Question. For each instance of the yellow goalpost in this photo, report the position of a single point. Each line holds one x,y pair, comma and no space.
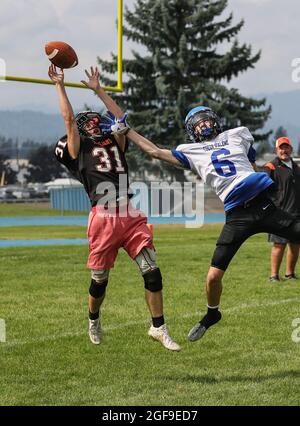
118,88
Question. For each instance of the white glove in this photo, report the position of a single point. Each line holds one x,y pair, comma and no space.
111,124
120,126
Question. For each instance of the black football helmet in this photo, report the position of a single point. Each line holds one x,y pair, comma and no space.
198,114
84,117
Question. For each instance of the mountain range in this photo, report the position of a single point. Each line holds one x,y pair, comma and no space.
48,127
37,126
285,112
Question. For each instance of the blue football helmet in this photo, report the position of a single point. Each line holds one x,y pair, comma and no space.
198,114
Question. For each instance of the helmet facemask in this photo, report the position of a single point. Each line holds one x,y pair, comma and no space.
206,133
86,122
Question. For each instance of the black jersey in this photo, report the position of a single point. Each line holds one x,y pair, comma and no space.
287,185
99,165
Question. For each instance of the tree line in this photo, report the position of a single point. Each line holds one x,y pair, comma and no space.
42,165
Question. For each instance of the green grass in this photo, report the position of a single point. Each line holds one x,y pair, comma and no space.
33,209
247,359
41,232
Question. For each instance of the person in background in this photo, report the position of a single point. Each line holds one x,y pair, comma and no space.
286,174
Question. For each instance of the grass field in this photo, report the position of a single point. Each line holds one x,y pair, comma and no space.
33,209
249,358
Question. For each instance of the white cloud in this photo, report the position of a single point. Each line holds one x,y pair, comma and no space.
26,25
90,27
275,32
62,7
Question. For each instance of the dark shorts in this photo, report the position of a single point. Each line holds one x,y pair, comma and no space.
279,240
257,216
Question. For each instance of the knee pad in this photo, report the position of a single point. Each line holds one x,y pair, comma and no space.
146,260
97,290
153,280
99,275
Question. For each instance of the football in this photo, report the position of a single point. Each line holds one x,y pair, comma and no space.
61,54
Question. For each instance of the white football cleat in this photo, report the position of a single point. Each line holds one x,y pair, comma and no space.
161,334
95,331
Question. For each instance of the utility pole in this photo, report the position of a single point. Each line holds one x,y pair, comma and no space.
17,154
2,178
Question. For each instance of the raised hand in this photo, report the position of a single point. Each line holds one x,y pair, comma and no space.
93,78
56,77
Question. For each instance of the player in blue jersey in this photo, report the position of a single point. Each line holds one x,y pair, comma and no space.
225,160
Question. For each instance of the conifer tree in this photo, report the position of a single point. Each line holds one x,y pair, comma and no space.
182,65
43,165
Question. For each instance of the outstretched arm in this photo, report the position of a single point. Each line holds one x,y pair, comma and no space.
73,138
151,149
94,84
120,126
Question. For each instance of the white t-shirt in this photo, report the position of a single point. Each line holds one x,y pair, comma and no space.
288,163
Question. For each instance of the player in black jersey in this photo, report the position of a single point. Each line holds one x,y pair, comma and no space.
98,162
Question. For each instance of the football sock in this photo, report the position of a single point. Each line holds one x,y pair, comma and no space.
157,322
93,316
212,317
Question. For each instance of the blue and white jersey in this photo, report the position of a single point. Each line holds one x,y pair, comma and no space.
224,164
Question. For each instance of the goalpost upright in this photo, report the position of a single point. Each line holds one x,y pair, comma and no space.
118,88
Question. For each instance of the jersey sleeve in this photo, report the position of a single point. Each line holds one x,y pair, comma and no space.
247,141
62,155
181,157
252,154
245,134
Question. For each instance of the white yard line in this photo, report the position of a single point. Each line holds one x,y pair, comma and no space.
134,323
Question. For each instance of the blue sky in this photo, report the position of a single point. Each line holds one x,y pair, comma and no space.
89,26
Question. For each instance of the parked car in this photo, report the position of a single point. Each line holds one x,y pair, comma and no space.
6,194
